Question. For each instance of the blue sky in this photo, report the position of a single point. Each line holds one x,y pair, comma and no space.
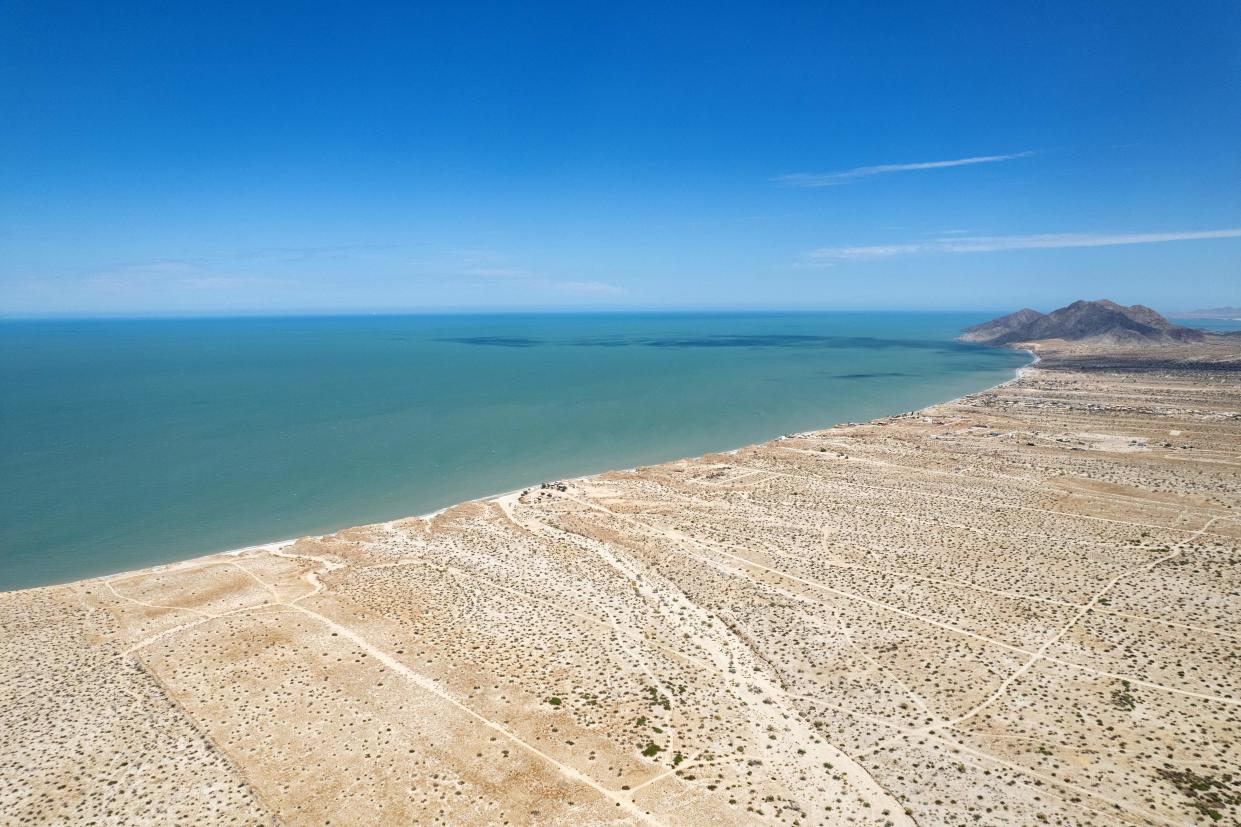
339,157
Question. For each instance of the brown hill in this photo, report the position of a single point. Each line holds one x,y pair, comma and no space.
1101,320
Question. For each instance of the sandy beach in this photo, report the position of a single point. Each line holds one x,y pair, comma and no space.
1016,607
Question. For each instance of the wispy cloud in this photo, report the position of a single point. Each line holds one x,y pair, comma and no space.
983,244
301,254
496,273
233,282
875,251
994,243
175,275
134,276
596,287
831,179
163,267
490,269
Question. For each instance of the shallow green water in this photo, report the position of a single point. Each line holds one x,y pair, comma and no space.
129,443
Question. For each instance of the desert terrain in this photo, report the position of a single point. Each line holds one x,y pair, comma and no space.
1022,607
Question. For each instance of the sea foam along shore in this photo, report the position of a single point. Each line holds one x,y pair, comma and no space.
277,545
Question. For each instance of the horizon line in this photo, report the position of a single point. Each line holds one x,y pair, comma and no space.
158,315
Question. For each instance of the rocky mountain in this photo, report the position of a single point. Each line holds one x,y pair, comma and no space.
998,328
1101,320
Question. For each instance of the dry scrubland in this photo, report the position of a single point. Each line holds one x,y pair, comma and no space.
1016,608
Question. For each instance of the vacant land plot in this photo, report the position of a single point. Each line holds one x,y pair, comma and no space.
1022,607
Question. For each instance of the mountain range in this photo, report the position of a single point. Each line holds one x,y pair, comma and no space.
1102,320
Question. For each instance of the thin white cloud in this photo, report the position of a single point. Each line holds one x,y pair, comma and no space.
233,282
167,267
174,274
492,270
135,276
984,244
831,179
875,251
496,273
597,287
994,243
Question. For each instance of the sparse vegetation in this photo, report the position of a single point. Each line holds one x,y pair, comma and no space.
1208,794
1122,698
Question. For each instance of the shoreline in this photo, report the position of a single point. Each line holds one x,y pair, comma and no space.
486,498
758,620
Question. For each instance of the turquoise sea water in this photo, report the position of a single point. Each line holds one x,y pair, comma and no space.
1211,325
129,443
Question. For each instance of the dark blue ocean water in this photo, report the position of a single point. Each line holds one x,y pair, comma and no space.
129,443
